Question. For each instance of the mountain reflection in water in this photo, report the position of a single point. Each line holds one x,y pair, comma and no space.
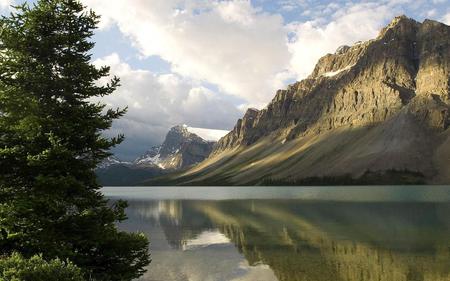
289,240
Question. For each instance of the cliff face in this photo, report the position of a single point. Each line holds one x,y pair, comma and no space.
180,149
240,133
407,66
380,104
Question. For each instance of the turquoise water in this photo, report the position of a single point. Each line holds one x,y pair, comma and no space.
292,233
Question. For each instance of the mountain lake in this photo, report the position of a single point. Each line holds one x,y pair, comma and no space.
387,233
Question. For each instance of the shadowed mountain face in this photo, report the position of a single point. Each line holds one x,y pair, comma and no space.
378,105
180,149
297,239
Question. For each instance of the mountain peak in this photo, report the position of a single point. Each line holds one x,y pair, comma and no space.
392,90
180,129
399,18
402,23
180,148
402,19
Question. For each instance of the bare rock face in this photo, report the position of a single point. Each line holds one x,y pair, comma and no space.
376,105
239,133
180,149
406,68
342,50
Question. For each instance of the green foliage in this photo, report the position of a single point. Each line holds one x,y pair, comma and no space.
17,268
51,141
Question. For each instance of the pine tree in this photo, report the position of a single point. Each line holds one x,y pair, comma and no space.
51,141
17,268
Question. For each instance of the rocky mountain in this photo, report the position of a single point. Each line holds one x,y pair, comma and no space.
180,149
376,107
110,161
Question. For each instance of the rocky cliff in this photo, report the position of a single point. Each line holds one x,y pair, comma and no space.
180,149
377,105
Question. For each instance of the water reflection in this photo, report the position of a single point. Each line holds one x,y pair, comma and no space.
289,240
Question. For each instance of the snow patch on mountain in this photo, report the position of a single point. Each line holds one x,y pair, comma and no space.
151,157
334,73
155,160
182,146
111,160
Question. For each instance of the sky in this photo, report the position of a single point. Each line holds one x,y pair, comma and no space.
203,63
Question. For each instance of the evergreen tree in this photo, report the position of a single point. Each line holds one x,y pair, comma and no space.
51,141
16,268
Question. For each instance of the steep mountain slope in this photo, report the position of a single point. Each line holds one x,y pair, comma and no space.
375,106
110,161
180,149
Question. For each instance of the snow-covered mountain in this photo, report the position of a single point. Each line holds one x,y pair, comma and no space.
110,161
151,157
181,148
374,112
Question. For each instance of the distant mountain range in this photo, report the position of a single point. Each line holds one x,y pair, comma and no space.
374,112
181,148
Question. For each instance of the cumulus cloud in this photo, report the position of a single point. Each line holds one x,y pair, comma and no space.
446,19
157,102
242,49
346,25
231,44
208,134
235,47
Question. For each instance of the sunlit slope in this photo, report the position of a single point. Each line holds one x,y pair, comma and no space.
374,107
400,143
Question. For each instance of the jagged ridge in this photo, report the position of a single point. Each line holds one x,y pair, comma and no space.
180,149
359,85
390,94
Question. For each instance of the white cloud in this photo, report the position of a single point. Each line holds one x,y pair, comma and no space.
6,3
235,46
314,39
208,134
157,102
227,43
432,13
446,19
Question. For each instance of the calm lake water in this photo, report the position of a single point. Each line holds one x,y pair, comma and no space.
292,233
